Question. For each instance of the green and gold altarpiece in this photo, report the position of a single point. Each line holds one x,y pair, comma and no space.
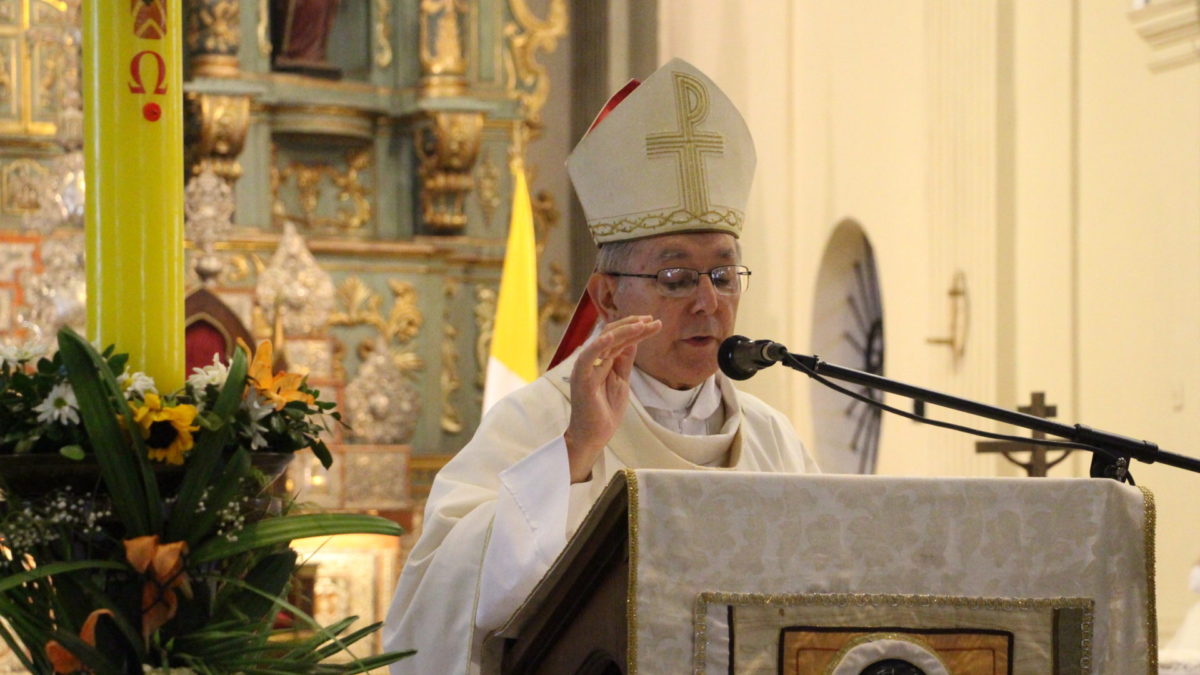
351,204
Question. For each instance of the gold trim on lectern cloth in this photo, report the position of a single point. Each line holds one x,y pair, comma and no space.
631,597
850,600
1149,521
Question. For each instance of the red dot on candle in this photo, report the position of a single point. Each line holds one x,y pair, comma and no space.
151,111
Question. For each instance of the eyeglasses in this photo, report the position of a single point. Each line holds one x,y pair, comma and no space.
680,282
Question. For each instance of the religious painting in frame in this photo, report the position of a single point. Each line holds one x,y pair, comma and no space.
850,634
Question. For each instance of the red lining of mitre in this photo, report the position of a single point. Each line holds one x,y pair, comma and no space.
583,320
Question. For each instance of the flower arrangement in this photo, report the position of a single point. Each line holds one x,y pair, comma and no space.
174,555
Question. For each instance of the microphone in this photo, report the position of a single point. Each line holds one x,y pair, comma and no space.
740,357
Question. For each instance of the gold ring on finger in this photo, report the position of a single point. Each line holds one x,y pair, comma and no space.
597,363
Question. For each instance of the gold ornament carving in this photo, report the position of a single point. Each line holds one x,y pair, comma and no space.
362,306
383,33
485,324
487,176
213,36
555,306
6,83
443,65
447,148
217,127
263,30
450,380
37,51
52,61
19,192
309,179
527,35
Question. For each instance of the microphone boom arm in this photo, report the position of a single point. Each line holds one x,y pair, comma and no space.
1107,443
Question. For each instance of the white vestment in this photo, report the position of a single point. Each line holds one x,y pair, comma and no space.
502,510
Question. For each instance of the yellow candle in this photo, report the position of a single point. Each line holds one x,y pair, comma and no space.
133,144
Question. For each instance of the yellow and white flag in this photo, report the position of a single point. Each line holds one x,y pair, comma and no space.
513,360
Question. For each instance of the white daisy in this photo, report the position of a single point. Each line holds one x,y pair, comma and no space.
60,406
136,384
214,374
12,356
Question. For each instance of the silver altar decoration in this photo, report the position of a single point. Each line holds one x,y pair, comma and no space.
60,190
208,209
294,284
57,296
382,405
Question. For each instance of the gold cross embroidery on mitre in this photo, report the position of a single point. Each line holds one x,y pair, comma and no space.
689,143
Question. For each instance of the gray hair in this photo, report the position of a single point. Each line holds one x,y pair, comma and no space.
615,256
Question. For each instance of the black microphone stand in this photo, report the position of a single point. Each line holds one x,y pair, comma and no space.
1110,452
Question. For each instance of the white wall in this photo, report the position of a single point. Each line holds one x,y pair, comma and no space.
1028,144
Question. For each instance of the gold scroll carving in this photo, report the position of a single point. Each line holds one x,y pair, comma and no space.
555,306
216,131
485,324
450,380
309,179
383,33
487,176
447,148
527,35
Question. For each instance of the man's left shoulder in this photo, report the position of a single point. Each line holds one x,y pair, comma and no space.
754,408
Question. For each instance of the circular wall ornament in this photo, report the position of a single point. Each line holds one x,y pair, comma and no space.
847,331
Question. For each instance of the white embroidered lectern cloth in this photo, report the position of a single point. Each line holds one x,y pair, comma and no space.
1026,564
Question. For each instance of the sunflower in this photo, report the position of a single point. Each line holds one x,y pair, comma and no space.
167,431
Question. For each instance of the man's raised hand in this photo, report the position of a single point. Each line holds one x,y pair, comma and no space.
600,390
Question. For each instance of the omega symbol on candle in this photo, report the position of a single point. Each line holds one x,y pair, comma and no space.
149,23
135,70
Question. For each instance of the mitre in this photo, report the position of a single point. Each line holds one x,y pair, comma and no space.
674,156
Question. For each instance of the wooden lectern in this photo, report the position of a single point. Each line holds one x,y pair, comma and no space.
727,572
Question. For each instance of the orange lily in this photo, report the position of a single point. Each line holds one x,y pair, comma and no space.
63,660
279,388
165,561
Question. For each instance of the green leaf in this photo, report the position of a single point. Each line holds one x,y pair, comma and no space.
89,655
270,576
209,421
321,451
42,571
74,452
195,525
347,640
273,531
130,481
24,445
206,455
